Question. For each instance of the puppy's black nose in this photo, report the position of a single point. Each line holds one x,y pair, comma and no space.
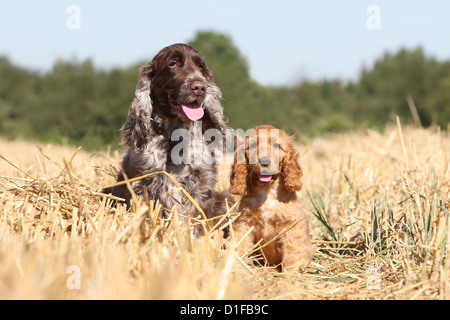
264,161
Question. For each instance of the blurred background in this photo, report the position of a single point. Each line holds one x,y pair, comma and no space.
68,69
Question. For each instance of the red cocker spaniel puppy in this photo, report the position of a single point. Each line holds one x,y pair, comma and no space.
267,174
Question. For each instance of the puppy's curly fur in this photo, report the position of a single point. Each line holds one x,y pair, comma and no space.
267,174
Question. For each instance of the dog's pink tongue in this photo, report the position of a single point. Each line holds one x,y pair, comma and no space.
194,113
264,178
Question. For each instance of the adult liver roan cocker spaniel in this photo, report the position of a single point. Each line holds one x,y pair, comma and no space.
175,124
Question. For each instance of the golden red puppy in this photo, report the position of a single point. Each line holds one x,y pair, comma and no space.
267,174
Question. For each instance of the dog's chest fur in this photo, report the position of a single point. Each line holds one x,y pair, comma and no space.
262,208
186,155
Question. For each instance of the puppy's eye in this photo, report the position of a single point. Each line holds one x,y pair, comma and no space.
173,64
253,145
201,66
276,145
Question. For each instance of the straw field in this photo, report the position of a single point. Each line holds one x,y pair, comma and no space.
378,207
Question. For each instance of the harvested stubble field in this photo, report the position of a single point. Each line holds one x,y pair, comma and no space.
378,207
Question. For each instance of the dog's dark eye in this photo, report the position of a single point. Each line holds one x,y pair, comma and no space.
276,145
201,66
173,64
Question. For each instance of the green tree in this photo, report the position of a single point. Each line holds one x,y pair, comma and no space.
81,104
231,74
440,104
383,90
18,90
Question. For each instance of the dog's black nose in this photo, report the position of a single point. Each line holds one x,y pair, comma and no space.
264,161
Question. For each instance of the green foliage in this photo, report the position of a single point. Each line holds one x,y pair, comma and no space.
440,103
231,73
80,104
385,87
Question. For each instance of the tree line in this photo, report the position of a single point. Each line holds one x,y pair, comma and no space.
79,104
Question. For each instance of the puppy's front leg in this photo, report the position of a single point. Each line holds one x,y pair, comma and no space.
297,250
244,240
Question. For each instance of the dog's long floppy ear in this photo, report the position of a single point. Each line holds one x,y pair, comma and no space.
136,131
239,171
214,110
291,170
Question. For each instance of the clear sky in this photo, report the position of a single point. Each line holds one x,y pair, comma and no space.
283,41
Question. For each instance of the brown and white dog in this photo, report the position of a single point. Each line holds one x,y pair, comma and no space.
176,99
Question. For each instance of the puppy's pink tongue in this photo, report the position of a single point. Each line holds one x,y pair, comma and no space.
264,178
194,113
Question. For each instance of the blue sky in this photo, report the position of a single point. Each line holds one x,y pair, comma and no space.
283,41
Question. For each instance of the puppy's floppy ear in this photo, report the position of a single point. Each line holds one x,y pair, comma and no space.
136,131
291,170
239,171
